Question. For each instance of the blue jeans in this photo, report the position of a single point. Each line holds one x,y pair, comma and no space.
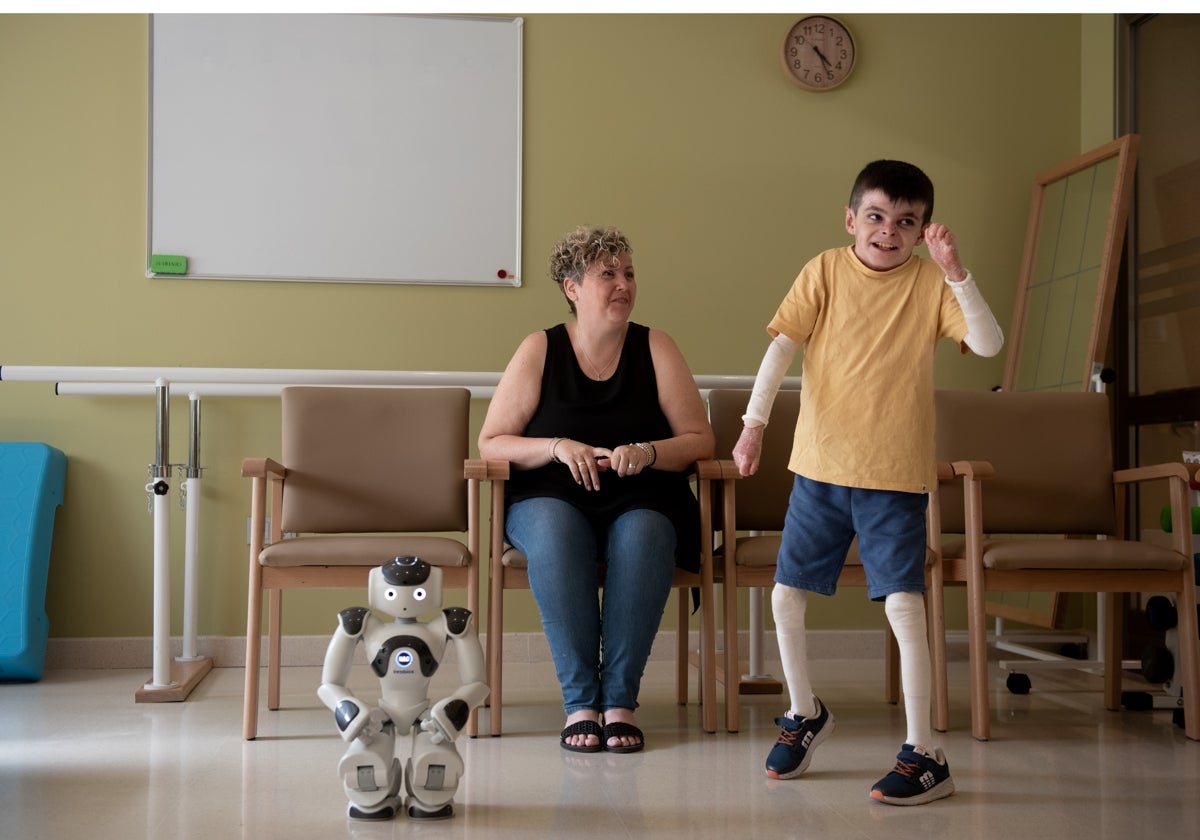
600,644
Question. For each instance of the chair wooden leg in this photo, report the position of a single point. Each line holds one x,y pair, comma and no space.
472,728
977,655
708,658
936,618
891,668
1114,609
253,641
733,665
258,507
495,652
1188,667
274,645
681,650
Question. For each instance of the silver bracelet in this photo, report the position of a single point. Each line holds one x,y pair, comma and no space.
651,453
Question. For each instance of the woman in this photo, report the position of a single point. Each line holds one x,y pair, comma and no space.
601,420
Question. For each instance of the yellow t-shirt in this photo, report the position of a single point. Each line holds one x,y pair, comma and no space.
866,414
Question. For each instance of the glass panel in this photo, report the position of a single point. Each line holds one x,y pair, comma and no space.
1060,310
1068,275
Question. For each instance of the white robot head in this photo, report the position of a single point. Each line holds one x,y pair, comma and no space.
405,587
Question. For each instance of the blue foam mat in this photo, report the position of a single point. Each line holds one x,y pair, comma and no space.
32,478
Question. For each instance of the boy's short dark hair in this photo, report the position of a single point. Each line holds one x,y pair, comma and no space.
898,180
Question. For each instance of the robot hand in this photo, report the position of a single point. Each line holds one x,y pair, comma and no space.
437,734
355,720
450,714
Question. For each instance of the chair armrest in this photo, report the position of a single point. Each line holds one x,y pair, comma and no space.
481,470
945,471
717,470
972,470
1177,469
262,468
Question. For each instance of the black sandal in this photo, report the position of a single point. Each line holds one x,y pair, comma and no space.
620,729
582,727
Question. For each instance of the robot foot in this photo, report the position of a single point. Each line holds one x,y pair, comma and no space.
416,812
383,813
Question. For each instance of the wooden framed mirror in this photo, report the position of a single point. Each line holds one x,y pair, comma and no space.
1065,291
1068,275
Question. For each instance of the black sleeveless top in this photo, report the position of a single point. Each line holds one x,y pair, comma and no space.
620,410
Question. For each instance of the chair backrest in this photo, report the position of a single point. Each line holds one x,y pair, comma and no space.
1052,453
762,498
375,459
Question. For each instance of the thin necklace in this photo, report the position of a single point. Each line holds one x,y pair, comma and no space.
599,371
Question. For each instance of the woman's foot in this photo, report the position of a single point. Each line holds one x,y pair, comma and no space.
587,740
621,732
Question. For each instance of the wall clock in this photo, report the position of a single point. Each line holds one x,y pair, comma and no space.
818,52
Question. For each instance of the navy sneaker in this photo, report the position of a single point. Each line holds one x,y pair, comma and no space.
798,738
917,778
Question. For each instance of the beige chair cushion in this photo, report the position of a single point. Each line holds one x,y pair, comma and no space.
513,558
370,550
1101,555
762,551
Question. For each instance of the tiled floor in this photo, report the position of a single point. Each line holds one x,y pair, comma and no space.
78,758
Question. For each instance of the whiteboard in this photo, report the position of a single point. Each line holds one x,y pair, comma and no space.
339,148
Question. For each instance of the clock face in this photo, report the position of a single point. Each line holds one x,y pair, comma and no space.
818,52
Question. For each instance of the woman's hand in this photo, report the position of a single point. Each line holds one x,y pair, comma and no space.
582,461
627,459
585,463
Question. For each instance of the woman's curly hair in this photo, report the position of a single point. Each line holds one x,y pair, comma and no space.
583,246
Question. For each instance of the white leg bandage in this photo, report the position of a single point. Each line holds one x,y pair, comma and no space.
906,613
788,605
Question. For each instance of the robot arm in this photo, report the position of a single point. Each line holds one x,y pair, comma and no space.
351,715
448,716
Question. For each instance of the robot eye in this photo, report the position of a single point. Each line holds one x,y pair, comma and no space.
390,594
419,594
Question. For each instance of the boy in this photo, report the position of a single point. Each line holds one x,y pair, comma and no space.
870,316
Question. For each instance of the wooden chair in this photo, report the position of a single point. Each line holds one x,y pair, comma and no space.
507,570
750,520
1043,510
367,474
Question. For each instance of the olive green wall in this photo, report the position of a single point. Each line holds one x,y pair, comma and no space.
681,130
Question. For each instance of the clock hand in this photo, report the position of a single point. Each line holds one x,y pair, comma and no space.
821,55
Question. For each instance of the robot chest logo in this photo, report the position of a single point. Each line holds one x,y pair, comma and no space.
404,655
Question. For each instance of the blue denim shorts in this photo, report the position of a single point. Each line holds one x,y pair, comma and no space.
822,521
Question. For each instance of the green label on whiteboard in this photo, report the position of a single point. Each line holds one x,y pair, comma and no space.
168,264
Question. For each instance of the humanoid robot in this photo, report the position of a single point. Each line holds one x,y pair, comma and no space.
404,654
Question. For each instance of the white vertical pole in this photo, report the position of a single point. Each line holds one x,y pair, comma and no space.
191,493
757,629
758,668
160,487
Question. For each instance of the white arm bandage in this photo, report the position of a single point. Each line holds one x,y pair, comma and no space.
984,336
775,364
